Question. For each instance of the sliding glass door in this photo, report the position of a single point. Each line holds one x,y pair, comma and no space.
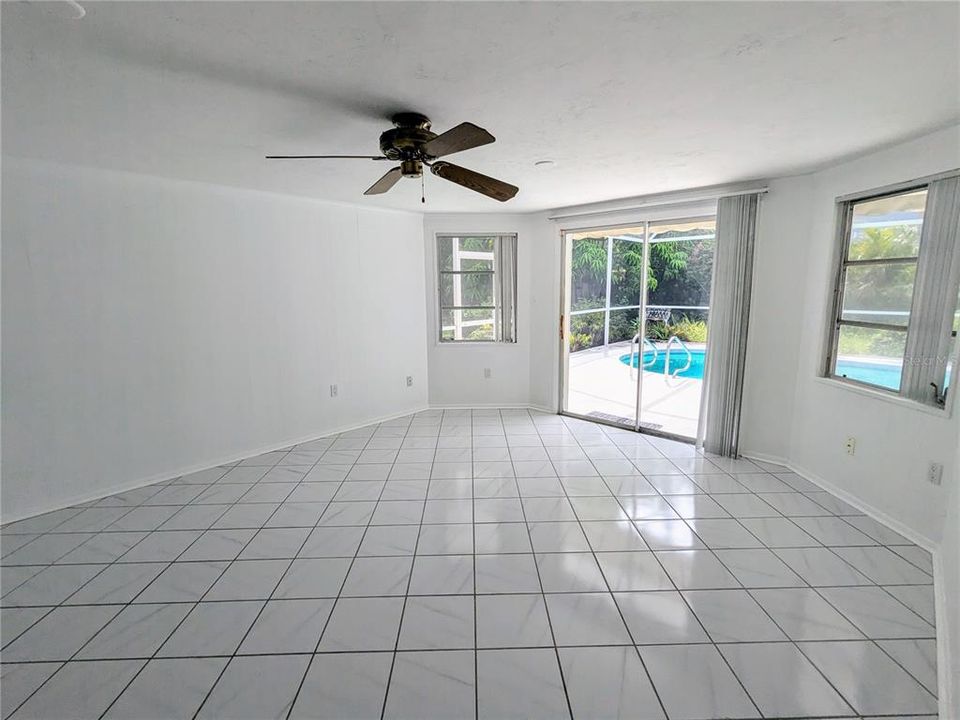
605,291
677,314
636,302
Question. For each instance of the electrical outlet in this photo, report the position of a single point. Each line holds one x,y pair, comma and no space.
935,473
409,380
333,391
486,373
851,446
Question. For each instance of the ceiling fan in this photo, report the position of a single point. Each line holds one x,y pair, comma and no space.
413,145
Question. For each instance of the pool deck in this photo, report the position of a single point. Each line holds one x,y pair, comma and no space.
603,387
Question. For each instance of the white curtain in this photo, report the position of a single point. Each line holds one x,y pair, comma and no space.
934,293
729,314
507,274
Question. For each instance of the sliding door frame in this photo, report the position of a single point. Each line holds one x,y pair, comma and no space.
566,255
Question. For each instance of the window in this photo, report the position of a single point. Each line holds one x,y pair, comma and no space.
891,329
477,287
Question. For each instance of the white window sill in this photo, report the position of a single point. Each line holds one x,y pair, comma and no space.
942,413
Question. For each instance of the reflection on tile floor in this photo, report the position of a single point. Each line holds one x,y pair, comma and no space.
458,564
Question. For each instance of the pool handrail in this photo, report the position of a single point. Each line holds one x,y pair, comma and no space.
637,352
666,363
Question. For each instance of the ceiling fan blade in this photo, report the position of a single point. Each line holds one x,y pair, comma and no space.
463,137
325,157
491,187
386,182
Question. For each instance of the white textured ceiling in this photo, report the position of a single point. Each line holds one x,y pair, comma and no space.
626,98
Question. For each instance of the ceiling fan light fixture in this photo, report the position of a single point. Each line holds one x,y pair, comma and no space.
411,168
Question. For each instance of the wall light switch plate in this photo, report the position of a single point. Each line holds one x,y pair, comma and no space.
851,445
409,380
486,373
333,391
935,473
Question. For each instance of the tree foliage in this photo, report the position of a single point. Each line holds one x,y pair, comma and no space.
679,274
870,290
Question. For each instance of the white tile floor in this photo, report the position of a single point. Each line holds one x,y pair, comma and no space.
493,564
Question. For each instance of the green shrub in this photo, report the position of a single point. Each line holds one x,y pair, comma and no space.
657,330
869,341
623,325
690,330
586,331
579,342
481,332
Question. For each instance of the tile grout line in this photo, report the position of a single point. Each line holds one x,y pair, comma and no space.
121,606
659,563
543,594
406,594
473,545
593,554
680,592
160,486
808,585
765,612
226,568
356,554
816,589
684,598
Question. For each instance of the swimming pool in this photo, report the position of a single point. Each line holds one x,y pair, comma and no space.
678,358
880,374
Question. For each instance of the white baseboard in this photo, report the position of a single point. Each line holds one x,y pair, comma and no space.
100,493
946,680
544,409
479,406
845,495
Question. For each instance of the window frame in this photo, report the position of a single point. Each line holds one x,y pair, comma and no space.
845,207
842,239
497,309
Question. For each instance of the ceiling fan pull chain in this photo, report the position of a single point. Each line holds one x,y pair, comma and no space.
423,198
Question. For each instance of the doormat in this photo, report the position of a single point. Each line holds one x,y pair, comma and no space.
607,417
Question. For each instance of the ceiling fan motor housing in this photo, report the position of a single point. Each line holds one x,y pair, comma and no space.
405,141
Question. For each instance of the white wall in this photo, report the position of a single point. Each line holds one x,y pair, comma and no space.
456,370
895,440
152,326
545,308
948,599
773,339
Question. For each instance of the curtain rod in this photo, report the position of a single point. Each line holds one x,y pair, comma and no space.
646,202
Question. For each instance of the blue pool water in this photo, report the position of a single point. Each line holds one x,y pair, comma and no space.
678,358
887,376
